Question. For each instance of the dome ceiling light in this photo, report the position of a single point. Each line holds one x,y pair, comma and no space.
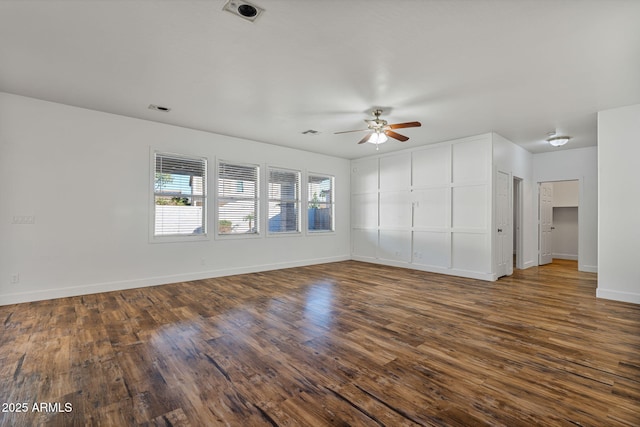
557,141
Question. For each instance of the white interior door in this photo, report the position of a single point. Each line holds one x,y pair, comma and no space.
546,222
504,242
517,223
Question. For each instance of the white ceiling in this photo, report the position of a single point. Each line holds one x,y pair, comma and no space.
461,67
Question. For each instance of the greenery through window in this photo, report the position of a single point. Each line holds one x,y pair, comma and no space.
180,195
238,198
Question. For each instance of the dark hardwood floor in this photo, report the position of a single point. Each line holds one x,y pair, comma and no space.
346,343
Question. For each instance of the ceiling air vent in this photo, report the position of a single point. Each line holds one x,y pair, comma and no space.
159,108
243,9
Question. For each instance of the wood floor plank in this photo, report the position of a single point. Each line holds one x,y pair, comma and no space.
344,343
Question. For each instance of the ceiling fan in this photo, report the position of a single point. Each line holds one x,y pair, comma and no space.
379,130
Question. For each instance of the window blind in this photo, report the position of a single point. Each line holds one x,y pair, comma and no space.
180,192
284,200
238,198
320,203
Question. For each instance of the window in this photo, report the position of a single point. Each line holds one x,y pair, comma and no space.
180,195
284,201
238,202
321,205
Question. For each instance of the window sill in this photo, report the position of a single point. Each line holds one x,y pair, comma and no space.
179,238
238,236
285,234
320,232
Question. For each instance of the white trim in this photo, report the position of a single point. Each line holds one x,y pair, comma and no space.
260,223
320,232
431,269
518,208
72,291
232,236
609,294
297,232
305,203
176,238
571,257
588,268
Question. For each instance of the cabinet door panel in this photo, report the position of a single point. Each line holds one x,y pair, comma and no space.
471,161
365,210
470,252
395,245
364,176
431,167
470,206
431,207
365,243
395,172
432,248
395,209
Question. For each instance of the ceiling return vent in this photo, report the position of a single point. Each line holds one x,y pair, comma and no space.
243,9
159,108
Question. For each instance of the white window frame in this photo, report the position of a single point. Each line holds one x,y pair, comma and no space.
309,202
297,201
258,212
175,238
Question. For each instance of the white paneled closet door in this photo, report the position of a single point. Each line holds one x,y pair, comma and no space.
471,206
364,210
395,208
504,230
546,223
431,196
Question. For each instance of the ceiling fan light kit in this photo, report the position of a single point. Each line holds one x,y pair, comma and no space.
380,131
377,138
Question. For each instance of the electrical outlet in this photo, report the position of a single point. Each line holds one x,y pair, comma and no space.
15,278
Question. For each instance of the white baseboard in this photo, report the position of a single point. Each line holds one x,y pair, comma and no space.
588,268
631,297
72,291
46,294
431,269
571,257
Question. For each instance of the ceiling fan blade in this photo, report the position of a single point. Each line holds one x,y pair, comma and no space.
397,136
349,131
405,125
365,139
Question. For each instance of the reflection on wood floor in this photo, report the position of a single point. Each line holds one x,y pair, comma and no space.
345,343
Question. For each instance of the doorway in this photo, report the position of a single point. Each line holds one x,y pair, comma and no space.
504,216
558,204
518,258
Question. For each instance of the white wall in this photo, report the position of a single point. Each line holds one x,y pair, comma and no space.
578,164
565,237
85,178
566,194
515,160
427,208
619,206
